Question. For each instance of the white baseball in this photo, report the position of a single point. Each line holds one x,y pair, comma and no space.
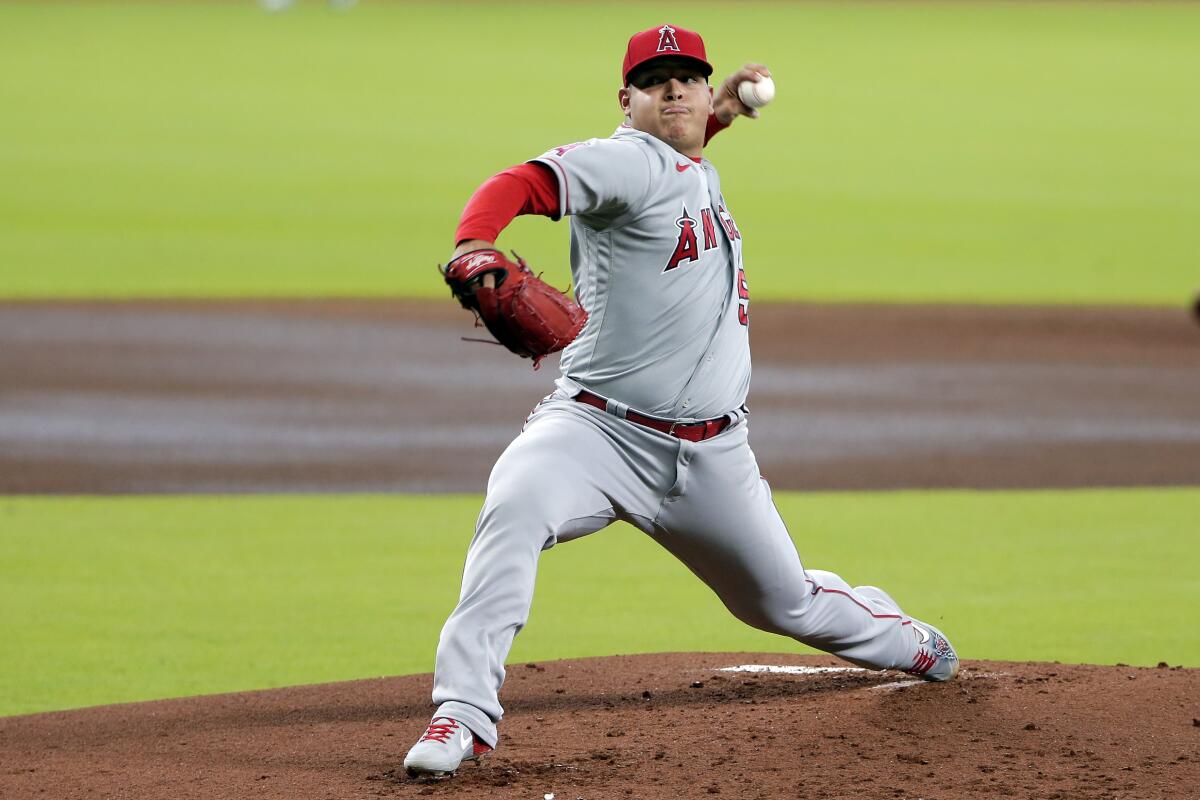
757,94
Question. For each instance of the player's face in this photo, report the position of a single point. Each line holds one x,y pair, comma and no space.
671,100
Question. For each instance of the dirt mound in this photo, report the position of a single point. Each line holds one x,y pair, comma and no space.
650,726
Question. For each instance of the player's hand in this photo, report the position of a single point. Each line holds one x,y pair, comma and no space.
726,104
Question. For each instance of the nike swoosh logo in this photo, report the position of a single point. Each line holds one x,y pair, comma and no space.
924,634
464,739
682,167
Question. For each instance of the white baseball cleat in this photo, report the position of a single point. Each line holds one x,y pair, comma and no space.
936,659
445,744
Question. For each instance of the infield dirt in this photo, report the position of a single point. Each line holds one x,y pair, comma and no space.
650,727
300,396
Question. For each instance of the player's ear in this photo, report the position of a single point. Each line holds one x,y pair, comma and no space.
711,108
623,99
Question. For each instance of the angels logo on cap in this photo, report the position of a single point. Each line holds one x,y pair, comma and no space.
662,41
666,39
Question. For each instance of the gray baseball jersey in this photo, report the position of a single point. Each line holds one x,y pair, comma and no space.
657,262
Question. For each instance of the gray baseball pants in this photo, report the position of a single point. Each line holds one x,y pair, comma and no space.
574,470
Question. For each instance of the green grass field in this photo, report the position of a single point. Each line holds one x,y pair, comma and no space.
120,599
973,152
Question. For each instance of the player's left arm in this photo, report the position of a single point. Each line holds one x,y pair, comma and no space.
727,106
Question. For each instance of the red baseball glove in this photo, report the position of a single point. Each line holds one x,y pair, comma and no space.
524,313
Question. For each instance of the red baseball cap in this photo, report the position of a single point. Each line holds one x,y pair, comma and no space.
665,40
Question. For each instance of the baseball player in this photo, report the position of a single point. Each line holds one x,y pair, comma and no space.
648,422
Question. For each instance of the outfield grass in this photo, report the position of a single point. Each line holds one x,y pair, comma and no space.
120,599
970,152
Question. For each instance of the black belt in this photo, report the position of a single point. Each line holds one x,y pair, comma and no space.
689,431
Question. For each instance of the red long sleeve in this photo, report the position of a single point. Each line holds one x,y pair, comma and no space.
523,189
714,127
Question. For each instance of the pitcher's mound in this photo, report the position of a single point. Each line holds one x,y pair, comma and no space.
660,727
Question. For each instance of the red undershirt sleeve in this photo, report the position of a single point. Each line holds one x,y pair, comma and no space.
523,189
714,127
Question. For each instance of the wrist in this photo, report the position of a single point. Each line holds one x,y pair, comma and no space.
468,245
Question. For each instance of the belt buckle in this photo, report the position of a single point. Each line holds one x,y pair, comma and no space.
671,430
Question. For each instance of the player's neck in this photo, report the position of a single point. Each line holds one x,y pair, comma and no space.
694,152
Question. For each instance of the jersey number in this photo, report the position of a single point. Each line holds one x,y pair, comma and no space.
743,298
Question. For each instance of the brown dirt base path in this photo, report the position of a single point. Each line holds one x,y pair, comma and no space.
651,726
383,395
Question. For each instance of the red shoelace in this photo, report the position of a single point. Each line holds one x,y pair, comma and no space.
440,733
923,663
